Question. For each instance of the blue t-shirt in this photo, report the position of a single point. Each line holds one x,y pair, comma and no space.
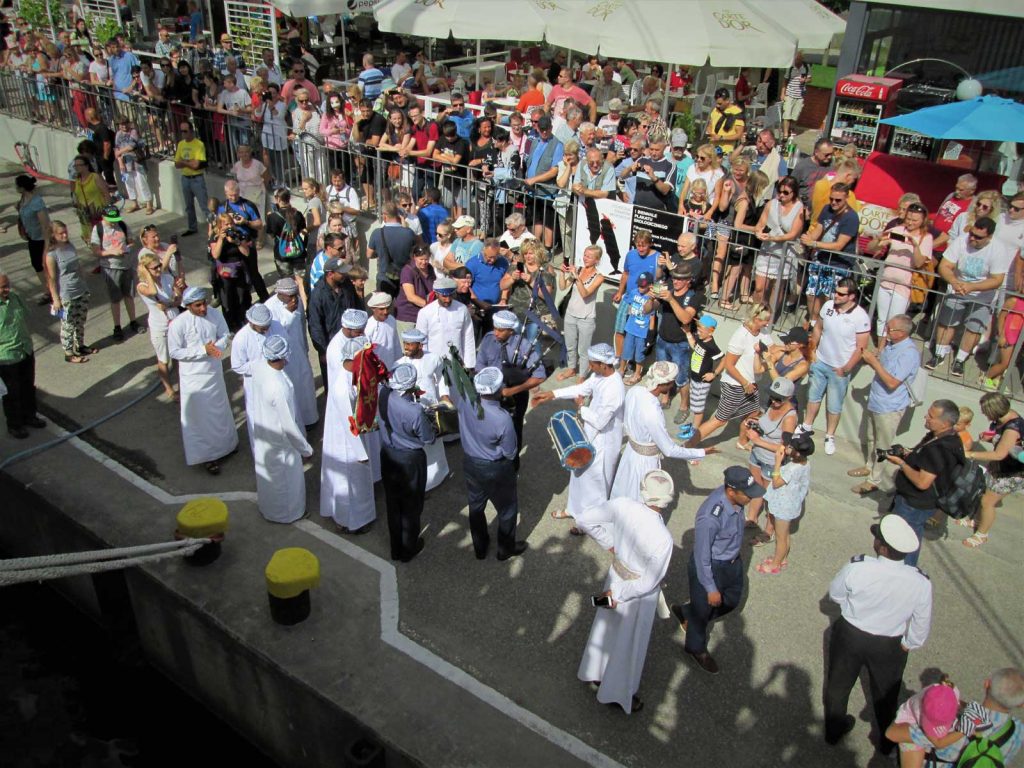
833,227
371,80
464,250
636,264
121,72
487,277
430,216
637,322
463,123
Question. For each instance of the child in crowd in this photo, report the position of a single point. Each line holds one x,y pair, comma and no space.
963,427
787,489
639,314
934,712
703,368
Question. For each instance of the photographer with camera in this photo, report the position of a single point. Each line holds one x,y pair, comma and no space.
895,367
938,454
766,434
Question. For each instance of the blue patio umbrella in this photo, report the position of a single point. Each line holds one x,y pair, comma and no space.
1011,79
987,118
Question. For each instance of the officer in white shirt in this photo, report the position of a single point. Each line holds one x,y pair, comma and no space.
886,612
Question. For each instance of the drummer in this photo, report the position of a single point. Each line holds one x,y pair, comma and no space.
521,367
602,427
434,389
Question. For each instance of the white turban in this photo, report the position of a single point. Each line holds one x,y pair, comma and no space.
661,372
489,381
657,489
414,336
602,353
403,377
379,299
193,294
354,319
287,286
275,348
505,319
353,347
259,314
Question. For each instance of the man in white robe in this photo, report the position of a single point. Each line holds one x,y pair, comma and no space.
247,352
287,310
602,425
346,478
430,381
382,330
647,438
197,339
446,321
279,443
635,533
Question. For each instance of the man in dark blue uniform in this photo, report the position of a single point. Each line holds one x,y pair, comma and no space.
521,367
405,429
489,445
716,570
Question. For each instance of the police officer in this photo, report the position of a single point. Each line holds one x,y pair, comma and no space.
403,462
489,445
886,612
715,569
520,364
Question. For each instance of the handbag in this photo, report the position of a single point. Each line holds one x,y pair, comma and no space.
394,171
917,387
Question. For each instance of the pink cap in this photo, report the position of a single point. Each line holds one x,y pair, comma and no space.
938,710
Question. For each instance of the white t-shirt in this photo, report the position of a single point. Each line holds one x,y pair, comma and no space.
102,71
742,343
233,99
710,177
972,265
839,332
1011,234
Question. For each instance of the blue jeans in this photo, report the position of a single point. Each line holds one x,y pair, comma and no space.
633,348
193,189
916,518
678,353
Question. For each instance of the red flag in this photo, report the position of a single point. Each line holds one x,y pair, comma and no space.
367,373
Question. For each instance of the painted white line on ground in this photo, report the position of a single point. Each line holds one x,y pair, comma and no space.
389,610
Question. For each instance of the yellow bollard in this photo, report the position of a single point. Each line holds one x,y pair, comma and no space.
290,574
201,519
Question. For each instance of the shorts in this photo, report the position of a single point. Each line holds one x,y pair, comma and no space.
1004,484
735,403
765,467
633,348
698,394
678,352
791,108
291,267
621,315
972,312
36,249
541,211
822,279
120,284
824,381
773,266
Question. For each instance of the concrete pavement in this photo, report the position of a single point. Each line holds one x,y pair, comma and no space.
469,663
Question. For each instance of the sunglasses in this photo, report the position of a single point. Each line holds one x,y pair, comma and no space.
842,293
976,236
1017,208
916,208
840,200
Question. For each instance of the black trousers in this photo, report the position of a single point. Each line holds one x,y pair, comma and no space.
253,267
405,481
493,481
520,403
851,649
235,300
729,579
20,400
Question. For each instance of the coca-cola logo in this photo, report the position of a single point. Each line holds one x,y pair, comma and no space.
861,90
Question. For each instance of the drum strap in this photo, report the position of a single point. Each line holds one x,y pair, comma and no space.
644,449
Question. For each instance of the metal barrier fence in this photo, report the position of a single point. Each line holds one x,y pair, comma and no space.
734,261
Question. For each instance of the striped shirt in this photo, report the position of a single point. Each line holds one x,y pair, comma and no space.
371,79
795,87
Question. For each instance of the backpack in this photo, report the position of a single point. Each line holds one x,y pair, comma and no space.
963,489
985,751
290,244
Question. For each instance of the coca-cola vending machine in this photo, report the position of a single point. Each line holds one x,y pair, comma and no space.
862,101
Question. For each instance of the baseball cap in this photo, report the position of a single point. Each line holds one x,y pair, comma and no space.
464,221
112,214
337,265
896,533
708,321
615,105
739,479
802,443
679,138
781,389
645,278
939,706
797,334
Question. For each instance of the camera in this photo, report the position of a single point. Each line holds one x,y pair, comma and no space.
896,450
266,95
752,424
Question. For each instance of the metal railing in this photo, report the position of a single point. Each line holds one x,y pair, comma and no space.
734,257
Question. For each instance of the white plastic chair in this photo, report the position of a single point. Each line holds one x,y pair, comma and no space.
760,101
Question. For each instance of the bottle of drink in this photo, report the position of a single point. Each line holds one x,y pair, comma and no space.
791,146
460,84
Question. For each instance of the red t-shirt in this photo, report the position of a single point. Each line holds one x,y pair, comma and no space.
532,98
559,94
946,214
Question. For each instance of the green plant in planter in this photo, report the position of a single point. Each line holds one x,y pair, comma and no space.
104,28
685,121
36,15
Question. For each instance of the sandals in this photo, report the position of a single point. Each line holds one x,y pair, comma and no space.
748,299
574,531
859,472
727,305
966,522
743,446
714,295
768,569
76,359
87,351
560,514
213,467
975,540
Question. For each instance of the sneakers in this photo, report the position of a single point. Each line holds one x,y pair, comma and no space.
802,430
830,445
135,327
992,384
957,368
681,416
118,334
934,362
